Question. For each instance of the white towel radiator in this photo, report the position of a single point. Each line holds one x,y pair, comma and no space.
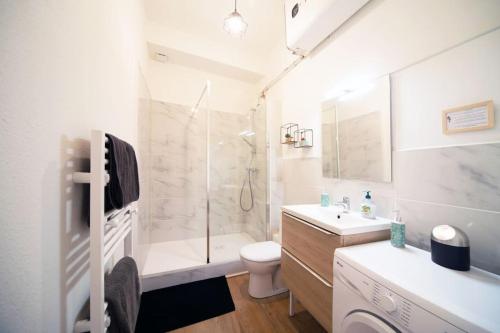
107,232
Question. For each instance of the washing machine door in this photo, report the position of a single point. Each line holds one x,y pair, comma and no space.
361,321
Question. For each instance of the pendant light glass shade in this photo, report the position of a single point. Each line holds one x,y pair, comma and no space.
234,23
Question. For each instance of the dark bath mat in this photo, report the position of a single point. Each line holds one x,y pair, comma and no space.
178,306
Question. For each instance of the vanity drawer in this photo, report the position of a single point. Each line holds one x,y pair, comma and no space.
367,237
313,292
310,244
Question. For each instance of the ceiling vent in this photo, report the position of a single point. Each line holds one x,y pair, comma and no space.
158,56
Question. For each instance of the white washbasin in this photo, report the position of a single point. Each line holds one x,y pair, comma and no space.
333,219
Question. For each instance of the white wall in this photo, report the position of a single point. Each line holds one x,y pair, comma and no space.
383,37
442,54
66,67
183,85
464,75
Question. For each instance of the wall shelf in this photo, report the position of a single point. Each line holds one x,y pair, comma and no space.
287,133
303,138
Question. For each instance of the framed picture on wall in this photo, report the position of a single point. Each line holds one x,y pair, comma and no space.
473,117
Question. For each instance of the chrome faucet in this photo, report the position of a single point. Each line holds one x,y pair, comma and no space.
345,204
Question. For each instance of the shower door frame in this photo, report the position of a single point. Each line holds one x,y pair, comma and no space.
205,93
207,90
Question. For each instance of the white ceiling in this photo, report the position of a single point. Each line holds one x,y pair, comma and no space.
156,52
204,18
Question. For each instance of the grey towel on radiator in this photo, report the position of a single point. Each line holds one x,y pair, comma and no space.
122,292
123,186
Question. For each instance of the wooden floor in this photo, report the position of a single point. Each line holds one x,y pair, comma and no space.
256,315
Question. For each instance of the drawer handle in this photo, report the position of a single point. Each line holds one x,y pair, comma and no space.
308,269
308,224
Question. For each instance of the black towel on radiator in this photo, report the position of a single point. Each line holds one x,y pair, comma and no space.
123,186
122,292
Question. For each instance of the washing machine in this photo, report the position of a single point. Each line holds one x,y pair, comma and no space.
381,289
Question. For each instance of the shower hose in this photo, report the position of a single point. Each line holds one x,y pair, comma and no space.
248,179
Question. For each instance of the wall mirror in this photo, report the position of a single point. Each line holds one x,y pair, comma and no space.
356,133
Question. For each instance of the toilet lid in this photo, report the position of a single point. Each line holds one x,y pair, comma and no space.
261,251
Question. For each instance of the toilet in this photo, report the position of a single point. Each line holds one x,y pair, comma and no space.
263,260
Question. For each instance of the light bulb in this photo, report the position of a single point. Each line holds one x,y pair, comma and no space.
235,25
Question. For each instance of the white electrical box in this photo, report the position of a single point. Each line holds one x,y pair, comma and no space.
308,22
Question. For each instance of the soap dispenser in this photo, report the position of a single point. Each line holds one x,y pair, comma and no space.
325,199
367,206
398,237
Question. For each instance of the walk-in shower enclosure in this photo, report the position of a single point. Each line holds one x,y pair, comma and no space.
205,174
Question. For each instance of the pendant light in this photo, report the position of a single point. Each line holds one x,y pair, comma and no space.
234,23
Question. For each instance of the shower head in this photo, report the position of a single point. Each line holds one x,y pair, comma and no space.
247,133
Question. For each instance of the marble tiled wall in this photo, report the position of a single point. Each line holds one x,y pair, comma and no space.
453,185
144,156
143,226
466,176
255,220
458,185
360,147
329,149
178,174
228,158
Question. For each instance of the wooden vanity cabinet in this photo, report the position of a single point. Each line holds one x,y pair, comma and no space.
307,263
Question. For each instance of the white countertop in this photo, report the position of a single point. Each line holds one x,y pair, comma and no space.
327,218
470,300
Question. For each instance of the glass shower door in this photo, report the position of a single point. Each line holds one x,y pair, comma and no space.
237,188
207,178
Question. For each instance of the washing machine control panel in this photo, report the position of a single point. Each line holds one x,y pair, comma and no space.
397,307
402,311
388,303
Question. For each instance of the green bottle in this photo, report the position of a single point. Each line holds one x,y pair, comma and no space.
325,199
397,231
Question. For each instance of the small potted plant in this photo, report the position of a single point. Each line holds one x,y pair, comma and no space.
302,140
288,138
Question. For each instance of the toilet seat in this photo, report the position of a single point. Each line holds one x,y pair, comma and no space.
261,252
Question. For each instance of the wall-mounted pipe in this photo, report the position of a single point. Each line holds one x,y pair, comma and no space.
205,90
